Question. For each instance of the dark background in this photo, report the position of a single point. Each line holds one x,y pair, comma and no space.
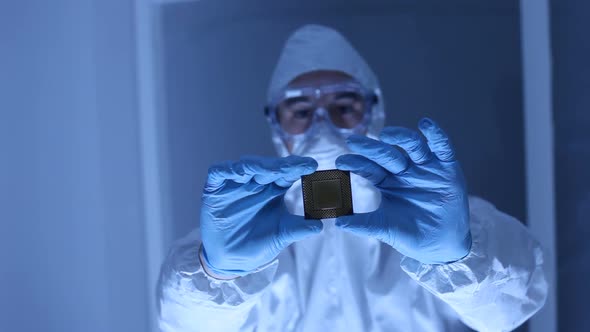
571,113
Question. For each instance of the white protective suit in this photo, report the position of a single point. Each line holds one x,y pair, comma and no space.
337,281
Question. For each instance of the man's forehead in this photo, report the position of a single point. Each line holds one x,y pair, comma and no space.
320,78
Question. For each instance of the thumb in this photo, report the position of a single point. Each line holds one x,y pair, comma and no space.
295,228
366,224
362,166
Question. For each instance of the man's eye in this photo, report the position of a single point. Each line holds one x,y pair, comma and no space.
302,114
345,109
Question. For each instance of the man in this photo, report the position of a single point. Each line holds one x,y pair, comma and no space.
417,255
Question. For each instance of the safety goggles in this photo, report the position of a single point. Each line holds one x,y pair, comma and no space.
345,106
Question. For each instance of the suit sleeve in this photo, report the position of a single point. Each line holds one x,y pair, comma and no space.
191,300
500,284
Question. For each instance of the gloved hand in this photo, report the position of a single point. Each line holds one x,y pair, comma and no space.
244,220
424,212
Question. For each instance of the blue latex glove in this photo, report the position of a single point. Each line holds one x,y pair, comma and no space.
424,212
244,220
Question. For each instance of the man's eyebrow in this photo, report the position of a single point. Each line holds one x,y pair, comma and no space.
290,101
347,94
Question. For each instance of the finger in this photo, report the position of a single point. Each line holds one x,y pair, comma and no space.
260,170
264,170
283,171
361,166
438,141
294,167
220,172
366,224
409,140
240,195
296,228
383,154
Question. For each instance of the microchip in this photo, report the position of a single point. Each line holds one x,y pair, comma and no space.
327,194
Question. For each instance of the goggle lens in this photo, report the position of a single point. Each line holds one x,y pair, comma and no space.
345,110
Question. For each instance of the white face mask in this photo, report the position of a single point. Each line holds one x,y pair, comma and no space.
325,147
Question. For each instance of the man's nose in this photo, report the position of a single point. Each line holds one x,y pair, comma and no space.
321,113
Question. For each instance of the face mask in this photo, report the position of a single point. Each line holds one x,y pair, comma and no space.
325,146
